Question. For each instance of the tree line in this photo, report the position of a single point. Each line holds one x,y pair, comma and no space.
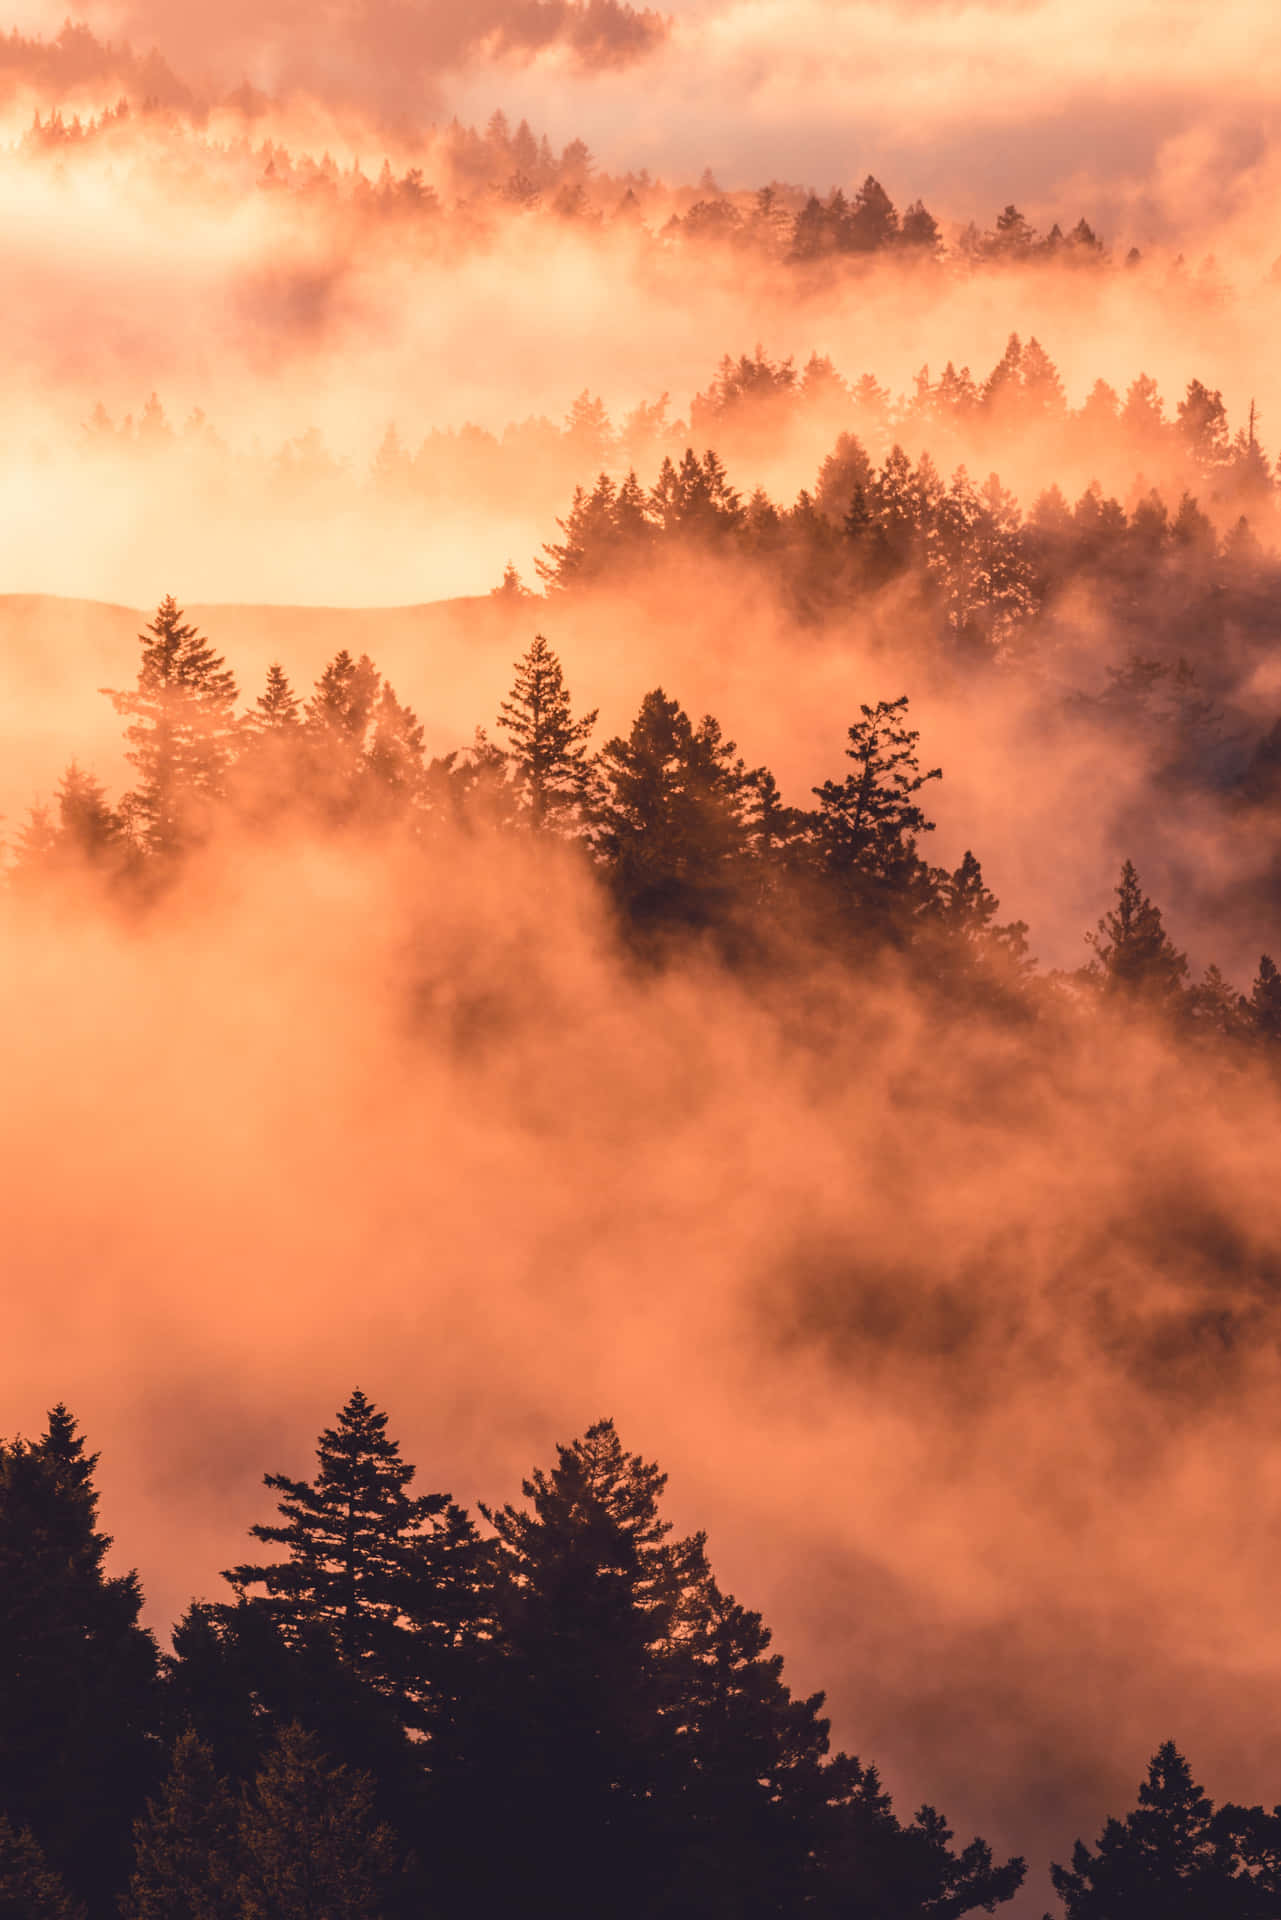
754,404
686,841
458,171
404,1710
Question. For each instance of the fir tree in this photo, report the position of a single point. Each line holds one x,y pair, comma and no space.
78,1695
181,733
336,724
1265,1001
310,1846
1133,955
185,1847
277,708
548,751
1173,1857
868,823
394,757
28,1889
671,814
381,1573
591,1589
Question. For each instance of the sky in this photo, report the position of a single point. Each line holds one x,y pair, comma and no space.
1146,112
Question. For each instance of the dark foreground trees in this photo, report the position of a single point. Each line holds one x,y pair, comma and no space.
78,1673
565,1718
1177,1857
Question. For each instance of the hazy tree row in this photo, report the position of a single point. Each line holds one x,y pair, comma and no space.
459,169
753,406
978,571
403,1710
686,840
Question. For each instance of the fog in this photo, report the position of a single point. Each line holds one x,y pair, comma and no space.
959,1337
968,1368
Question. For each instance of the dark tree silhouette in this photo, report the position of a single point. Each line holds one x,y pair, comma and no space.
671,820
181,733
28,1890
185,1844
78,1692
1265,1000
1175,1858
1134,958
309,1844
868,823
590,1594
385,1575
548,753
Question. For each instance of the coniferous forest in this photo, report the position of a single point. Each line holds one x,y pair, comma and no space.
640,962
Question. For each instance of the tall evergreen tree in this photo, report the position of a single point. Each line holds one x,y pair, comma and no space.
28,1889
277,708
336,725
868,823
1265,1000
582,1753
1174,1857
1134,958
309,1845
671,818
185,1844
181,733
386,1576
548,746
78,1693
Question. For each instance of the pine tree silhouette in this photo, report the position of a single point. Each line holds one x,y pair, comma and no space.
548,746
181,733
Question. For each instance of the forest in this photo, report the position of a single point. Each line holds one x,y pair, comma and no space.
398,1710
640,807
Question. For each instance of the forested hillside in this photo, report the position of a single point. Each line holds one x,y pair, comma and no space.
640,808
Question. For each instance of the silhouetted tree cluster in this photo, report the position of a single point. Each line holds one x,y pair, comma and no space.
685,839
407,1712
552,1707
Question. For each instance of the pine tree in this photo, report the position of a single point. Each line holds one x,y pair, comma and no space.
90,830
1134,957
273,760
181,733
277,708
35,851
78,1694
310,1847
870,1866
1171,1858
1042,386
336,724
754,1786
588,432
868,823
1203,422
962,932
920,231
382,1574
1265,1001
583,1756
394,757
845,471
185,1844
548,746
28,1889
873,222
671,815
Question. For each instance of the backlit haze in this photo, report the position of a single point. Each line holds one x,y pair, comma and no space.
930,1366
